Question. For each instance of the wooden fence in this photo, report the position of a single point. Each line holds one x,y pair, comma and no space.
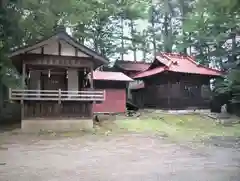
57,95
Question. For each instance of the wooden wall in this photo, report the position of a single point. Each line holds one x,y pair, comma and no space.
174,91
51,109
115,97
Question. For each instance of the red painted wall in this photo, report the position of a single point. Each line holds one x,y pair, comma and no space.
115,102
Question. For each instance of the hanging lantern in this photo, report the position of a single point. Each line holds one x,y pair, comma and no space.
49,73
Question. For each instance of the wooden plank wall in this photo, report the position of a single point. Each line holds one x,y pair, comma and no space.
51,109
175,91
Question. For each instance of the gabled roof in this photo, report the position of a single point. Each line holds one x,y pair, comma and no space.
132,66
112,76
68,39
178,63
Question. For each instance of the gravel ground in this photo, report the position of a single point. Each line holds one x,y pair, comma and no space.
111,158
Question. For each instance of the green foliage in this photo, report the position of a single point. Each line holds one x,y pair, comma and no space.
235,85
8,38
210,26
229,87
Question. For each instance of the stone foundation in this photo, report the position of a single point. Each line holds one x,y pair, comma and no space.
56,125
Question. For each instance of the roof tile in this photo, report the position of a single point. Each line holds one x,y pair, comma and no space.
186,64
178,63
113,76
150,72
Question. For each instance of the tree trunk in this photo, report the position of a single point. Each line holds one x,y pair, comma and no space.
144,54
190,47
96,45
234,45
166,35
167,27
153,30
81,28
133,41
122,40
183,13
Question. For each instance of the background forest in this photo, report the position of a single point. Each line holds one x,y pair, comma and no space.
131,29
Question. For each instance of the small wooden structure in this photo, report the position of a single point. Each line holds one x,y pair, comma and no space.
174,81
114,84
57,79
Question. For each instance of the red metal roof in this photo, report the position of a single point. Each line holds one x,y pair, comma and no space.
133,66
114,76
186,64
178,63
150,72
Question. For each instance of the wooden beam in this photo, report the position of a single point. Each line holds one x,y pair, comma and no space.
9,93
23,86
59,48
42,50
76,52
23,74
59,96
92,87
91,79
57,60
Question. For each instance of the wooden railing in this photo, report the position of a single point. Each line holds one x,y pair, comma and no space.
57,95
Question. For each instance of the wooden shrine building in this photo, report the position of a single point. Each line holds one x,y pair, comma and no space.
174,81
57,83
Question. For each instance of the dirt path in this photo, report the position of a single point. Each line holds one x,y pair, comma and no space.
125,157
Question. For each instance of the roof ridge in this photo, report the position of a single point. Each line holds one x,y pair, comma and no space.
165,55
63,35
190,58
106,75
81,45
169,59
160,69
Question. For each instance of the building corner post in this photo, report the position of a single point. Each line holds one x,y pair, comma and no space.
23,88
92,88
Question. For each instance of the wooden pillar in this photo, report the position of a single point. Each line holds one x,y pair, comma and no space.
91,79
91,87
58,105
23,87
59,48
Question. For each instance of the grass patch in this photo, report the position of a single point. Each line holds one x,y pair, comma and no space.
175,126
187,127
